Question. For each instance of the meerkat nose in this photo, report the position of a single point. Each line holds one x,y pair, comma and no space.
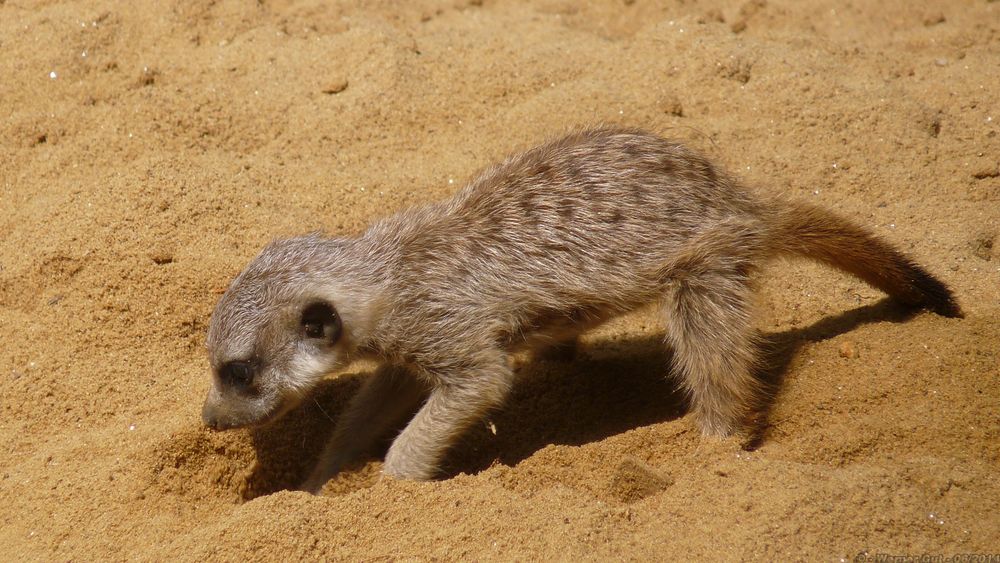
211,418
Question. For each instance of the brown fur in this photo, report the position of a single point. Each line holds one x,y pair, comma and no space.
534,250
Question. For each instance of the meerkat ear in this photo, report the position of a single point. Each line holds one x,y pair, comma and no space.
321,321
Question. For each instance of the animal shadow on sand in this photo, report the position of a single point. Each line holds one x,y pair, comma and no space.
610,387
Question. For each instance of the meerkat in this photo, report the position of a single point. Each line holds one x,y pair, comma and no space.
533,251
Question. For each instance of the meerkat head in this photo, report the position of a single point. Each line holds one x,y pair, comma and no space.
292,316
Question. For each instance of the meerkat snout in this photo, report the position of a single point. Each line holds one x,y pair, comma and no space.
234,378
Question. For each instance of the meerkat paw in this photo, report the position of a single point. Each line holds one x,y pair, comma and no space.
409,468
716,427
318,478
723,421
313,485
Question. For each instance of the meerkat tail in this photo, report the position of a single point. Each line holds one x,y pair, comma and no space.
812,232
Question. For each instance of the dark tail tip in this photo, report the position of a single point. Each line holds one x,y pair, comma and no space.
936,295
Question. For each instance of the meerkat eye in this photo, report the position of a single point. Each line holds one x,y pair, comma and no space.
320,320
237,374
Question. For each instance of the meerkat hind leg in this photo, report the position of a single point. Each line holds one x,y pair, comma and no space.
384,399
714,347
451,408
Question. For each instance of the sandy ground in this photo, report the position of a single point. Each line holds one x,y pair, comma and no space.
148,150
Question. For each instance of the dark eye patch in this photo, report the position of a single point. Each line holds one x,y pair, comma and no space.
321,321
238,374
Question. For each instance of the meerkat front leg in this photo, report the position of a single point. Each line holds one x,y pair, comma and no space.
460,399
383,400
